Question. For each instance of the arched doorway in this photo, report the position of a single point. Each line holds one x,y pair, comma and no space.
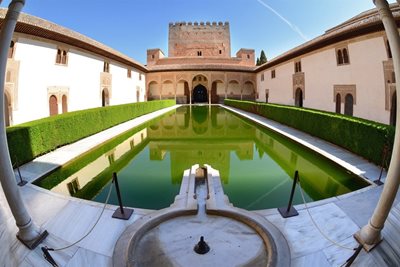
105,99
7,109
299,98
214,93
338,103
393,109
348,104
53,105
200,94
64,104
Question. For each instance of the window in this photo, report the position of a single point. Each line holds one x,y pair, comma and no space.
11,50
64,104
248,56
297,66
262,77
106,67
338,103
348,104
62,56
129,74
140,76
266,95
152,56
342,56
345,56
53,105
199,53
220,52
298,98
273,74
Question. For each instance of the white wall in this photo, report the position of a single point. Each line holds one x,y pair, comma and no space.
322,72
38,71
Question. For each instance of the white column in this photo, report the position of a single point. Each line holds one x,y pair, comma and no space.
27,230
370,235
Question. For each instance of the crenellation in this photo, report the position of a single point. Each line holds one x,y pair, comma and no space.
205,39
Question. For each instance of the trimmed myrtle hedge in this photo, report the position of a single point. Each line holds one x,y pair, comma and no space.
363,137
28,140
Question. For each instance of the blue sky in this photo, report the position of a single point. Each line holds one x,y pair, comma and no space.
133,26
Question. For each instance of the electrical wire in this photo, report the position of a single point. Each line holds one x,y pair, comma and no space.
316,226
94,225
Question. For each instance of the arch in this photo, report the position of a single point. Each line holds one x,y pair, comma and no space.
53,105
348,104
105,98
345,56
393,109
339,57
167,90
182,92
153,91
234,91
64,101
7,109
200,94
214,92
298,98
338,103
248,92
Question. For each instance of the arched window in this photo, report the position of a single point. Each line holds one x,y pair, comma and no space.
348,104
345,56
53,105
299,98
338,103
64,57
105,101
58,58
11,50
339,57
64,104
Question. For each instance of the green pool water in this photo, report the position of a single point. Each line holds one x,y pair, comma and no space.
256,165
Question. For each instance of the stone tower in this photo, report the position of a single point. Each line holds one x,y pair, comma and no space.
199,39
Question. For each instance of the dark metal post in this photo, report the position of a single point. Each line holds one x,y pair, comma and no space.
290,211
121,213
21,181
385,153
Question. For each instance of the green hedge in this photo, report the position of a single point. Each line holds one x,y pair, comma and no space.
363,137
29,140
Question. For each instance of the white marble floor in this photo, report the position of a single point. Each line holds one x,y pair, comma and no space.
67,219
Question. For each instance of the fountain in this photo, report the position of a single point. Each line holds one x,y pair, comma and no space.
201,211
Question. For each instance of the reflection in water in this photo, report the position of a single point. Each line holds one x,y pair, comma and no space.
256,165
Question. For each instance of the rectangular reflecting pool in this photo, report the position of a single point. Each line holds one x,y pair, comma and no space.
256,165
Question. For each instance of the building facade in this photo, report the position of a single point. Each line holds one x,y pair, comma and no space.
347,70
53,70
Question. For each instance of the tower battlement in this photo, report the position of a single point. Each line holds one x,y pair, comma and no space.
199,39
